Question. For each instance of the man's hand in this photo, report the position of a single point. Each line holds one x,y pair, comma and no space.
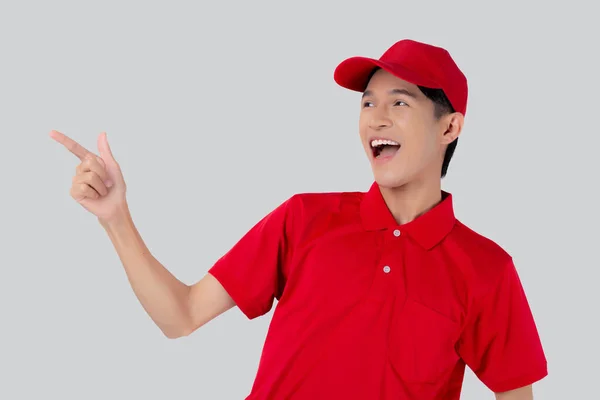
98,184
524,393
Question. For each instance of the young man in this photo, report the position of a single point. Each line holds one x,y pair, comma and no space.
381,295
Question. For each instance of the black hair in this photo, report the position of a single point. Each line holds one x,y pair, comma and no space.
442,107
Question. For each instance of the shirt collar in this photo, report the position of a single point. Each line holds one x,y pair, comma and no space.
427,230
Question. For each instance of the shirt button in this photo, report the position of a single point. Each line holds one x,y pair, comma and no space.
386,269
396,233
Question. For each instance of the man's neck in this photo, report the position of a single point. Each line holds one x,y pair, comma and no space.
413,199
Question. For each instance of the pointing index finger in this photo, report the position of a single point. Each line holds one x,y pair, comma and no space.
70,144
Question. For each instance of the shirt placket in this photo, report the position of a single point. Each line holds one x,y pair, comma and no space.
389,270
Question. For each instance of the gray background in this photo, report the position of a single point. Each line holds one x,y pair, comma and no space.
219,112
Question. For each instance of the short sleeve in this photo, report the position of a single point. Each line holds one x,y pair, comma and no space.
254,270
501,343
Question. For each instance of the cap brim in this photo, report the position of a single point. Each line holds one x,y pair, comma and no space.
353,73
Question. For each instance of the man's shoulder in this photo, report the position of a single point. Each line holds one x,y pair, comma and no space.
479,244
311,214
483,259
314,203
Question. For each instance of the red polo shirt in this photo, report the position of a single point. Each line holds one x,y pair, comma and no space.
370,309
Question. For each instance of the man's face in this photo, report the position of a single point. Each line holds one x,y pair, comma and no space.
397,111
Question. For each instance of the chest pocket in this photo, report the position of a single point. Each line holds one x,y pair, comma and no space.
421,343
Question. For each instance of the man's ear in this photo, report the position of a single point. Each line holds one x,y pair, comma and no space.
453,124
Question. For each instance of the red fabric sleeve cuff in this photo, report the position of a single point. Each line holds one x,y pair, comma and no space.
235,290
518,382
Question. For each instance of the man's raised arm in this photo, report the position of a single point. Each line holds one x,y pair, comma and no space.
176,308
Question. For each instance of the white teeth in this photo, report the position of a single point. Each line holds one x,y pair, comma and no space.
381,142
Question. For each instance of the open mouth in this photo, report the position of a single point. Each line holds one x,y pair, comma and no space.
383,148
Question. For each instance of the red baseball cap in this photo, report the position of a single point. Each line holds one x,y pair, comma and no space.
415,62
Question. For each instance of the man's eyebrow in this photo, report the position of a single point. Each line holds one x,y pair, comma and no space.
405,92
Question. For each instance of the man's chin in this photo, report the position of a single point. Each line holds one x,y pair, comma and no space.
390,181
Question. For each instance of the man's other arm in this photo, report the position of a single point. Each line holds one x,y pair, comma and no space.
524,393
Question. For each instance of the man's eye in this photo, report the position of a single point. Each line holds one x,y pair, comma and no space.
367,104
399,103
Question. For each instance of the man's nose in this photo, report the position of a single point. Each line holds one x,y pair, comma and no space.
380,121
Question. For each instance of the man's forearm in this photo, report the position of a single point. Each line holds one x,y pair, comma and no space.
163,296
